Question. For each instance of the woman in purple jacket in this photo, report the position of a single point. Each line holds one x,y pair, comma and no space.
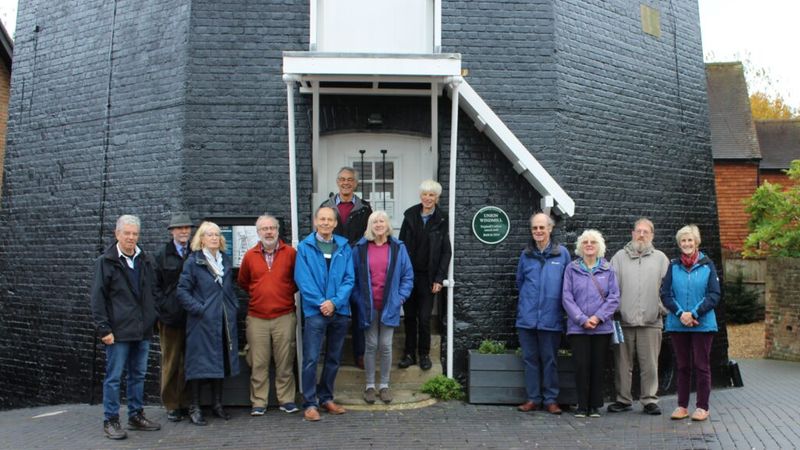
590,297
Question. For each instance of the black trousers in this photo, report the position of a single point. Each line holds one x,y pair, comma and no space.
589,353
418,309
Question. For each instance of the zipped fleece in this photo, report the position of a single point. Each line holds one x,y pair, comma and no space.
317,282
695,290
639,278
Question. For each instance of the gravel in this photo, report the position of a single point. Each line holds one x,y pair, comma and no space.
746,341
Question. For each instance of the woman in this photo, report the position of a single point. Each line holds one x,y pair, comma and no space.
206,292
383,281
425,233
590,297
690,290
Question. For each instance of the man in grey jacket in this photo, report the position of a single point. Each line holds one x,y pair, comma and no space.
640,268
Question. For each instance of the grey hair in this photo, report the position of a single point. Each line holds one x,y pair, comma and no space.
430,186
647,221
335,211
372,218
591,234
550,220
128,219
691,230
266,216
348,169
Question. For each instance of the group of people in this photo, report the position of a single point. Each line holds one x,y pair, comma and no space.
354,274
351,272
627,297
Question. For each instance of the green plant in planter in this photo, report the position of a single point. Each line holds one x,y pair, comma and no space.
491,347
443,388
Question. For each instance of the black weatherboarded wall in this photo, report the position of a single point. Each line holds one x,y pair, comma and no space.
150,106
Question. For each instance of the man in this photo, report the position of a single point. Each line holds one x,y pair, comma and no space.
426,235
352,213
267,274
324,274
639,268
172,317
540,315
123,309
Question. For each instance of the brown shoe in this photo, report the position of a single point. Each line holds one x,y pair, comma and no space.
553,408
528,406
333,408
311,414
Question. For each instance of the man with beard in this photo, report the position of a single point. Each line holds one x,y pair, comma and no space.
640,268
267,274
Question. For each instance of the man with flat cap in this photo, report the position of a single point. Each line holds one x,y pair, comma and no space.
172,317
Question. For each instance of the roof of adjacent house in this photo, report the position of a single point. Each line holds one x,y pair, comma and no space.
733,134
779,141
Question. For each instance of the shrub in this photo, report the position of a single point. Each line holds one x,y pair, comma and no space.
774,213
443,388
741,303
490,347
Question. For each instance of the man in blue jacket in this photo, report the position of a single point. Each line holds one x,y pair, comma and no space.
324,275
540,316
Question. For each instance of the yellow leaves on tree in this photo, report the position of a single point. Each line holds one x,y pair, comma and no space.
765,107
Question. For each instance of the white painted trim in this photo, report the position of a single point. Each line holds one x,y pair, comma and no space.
437,26
314,134
454,84
523,161
369,91
435,92
308,63
313,21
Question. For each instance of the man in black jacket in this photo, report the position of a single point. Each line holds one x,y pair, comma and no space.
425,233
123,309
172,317
352,213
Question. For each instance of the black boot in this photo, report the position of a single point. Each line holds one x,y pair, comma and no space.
217,409
195,412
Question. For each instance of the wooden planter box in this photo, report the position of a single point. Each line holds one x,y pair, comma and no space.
500,379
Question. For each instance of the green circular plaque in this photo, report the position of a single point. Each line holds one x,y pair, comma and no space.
490,225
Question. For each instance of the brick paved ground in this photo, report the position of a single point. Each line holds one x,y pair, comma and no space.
763,414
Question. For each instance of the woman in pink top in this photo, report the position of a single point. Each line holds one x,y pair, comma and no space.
383,282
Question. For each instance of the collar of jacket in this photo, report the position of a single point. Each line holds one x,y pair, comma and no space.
358,203
633,254
415,213
111,254
310,240
604,265
532,250
702,260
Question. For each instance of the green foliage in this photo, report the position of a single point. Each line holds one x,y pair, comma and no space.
775,218
490,347
443,388
741,303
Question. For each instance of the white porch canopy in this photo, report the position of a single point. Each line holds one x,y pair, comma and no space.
409,74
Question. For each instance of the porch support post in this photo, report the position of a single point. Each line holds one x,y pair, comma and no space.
454,83
290,82
435,127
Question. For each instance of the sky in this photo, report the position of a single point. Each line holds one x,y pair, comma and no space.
758,32
763,32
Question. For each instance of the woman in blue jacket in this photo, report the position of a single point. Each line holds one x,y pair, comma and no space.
205,290
590,297
690,290
383,281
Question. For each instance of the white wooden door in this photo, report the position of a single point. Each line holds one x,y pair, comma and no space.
388,181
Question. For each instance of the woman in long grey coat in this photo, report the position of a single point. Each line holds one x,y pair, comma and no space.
206,292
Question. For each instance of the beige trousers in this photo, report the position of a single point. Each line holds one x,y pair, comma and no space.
267,339
644,344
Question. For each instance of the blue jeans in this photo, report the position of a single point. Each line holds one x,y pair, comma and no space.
333,330
539,355
131,356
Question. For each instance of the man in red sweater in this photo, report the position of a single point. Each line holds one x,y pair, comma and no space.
267,274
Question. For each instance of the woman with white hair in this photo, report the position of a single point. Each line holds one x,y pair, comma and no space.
590,296
690,291
425,233
205,290
383,282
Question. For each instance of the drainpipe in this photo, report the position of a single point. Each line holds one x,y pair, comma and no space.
290,80
454,84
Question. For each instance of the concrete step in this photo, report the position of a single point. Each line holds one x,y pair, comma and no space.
403,399
398,346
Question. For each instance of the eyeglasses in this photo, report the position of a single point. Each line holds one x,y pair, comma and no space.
642,232
350,179
268,228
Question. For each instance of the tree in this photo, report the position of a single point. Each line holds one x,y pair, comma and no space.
774,222
765,107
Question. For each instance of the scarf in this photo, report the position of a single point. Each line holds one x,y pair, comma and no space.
689,260
215,265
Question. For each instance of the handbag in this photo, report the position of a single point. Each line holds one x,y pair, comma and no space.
617,337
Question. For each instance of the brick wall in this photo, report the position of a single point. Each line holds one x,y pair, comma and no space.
776,177
782,318
735,183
